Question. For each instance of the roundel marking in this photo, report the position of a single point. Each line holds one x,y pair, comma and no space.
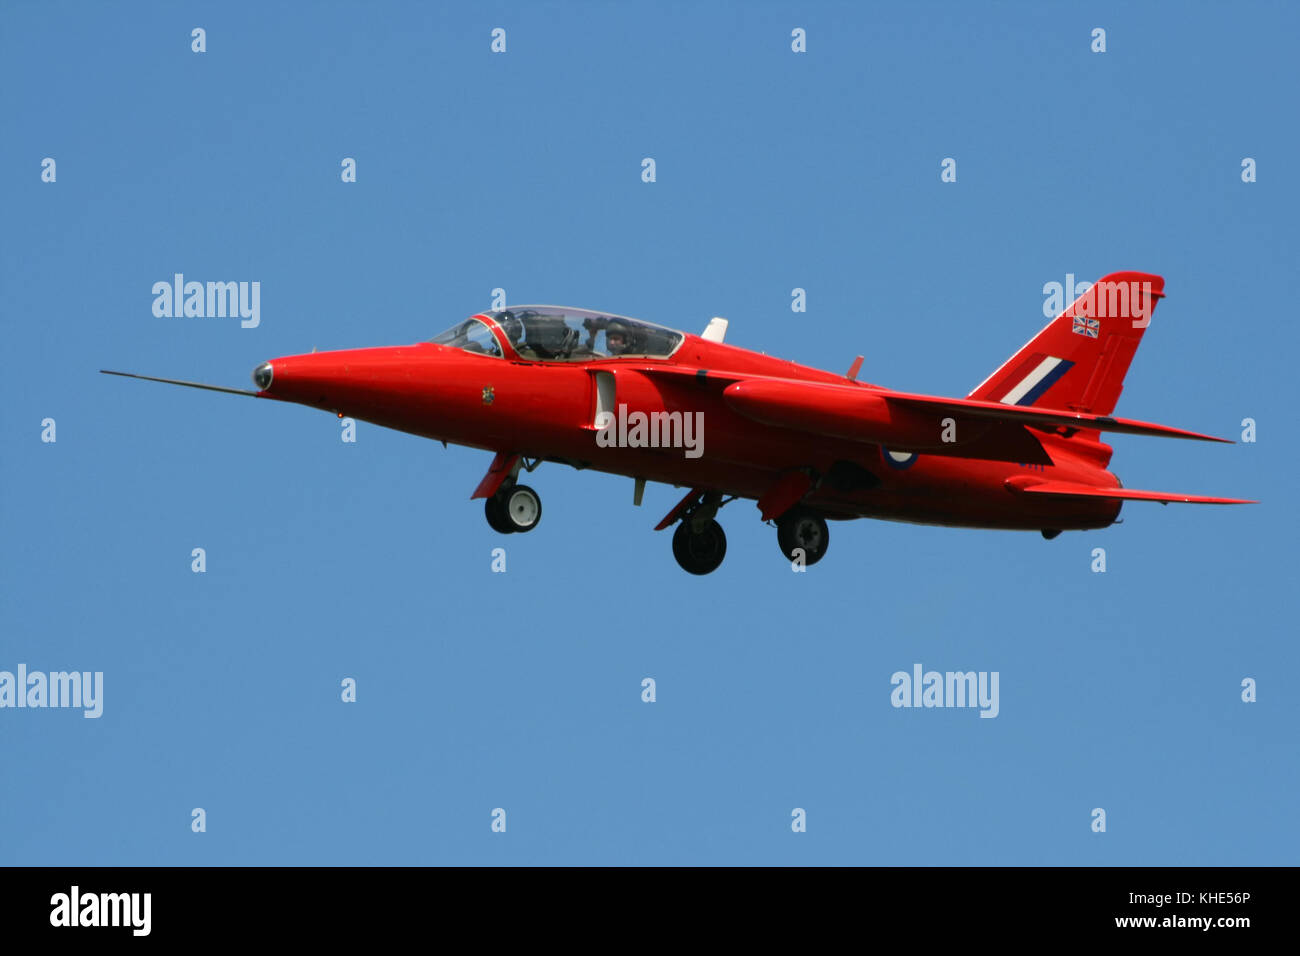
898,460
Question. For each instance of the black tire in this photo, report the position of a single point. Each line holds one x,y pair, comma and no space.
803,529
494,510
699,552
522,508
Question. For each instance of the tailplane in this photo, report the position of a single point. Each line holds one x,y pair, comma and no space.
1031,485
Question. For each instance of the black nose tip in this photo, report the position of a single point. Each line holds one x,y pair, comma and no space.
262,376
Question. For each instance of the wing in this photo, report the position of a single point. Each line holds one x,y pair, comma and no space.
1049,419
962,428
904,421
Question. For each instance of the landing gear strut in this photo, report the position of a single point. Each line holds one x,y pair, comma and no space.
699,543
800,530
515,508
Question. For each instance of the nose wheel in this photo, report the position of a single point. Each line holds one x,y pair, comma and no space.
516,508
803,530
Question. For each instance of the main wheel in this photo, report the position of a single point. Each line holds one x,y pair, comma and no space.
805,530
522,508
699,552
494,508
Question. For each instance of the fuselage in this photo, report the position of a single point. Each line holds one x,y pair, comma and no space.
551,410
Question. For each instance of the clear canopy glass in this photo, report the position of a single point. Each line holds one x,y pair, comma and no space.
472,335
552,333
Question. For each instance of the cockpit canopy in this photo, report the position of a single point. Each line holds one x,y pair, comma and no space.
557,334
471,335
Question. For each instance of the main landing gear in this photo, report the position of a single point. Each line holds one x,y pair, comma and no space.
699,547
514,508
699,543
802,534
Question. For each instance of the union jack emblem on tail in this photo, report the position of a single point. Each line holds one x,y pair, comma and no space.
1086,326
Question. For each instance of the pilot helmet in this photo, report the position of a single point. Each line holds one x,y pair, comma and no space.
511,325
619,329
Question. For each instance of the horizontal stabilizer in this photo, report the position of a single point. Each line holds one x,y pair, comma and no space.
1067,489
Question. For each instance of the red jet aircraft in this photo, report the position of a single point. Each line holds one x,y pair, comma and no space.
614,394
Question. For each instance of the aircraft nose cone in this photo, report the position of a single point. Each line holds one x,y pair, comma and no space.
262,376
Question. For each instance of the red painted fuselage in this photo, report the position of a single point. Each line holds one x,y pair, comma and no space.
547,410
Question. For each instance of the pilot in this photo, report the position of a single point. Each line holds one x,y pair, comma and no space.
617,340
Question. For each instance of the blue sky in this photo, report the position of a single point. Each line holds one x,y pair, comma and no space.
522,170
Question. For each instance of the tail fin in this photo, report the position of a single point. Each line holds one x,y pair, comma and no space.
1079,360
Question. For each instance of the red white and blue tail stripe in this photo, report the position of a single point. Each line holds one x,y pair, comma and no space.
1032,378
